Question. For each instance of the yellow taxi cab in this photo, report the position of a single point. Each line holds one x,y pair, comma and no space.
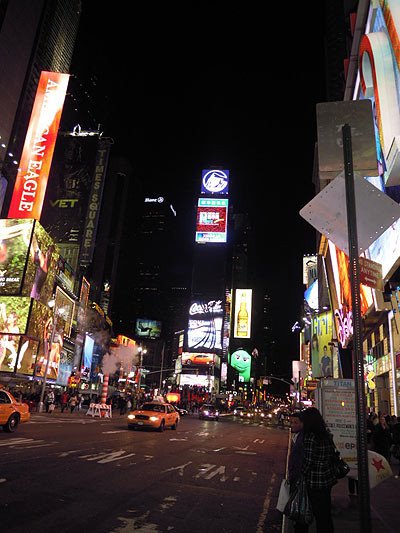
12,412
154,415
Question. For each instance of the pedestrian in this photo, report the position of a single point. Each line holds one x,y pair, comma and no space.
50,399
381,437
317,468
72,403
296,450
396,443
64,400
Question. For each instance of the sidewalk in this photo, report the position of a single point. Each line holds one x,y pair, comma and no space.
384,503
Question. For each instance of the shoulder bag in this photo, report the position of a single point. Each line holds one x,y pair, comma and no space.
340,466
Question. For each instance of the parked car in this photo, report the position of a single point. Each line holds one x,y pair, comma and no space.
12,412
154,415
208,411
237,410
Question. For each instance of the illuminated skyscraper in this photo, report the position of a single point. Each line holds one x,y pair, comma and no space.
34,36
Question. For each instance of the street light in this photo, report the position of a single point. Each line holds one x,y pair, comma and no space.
142,351
49,343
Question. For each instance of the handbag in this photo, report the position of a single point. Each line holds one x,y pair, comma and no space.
298,507
284,493
340,466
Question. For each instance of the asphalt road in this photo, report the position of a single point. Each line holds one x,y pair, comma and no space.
72,473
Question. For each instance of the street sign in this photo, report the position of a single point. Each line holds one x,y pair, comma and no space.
370,273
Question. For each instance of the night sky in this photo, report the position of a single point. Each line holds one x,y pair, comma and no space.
185,87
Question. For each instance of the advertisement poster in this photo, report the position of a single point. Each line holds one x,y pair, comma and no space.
37,154
15,236
147,329
242,317
322,349
212,219
205,326
41,267
27,356
14,312
214,181
338,407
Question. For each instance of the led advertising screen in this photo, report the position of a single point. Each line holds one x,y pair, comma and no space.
214,181
195,359
322,347
37,153
14,312
205,326
212,219
27,354
311,296
15,236
66,367
240,360
242,317
87,357
41,327
147,329
202,380
41,266
340,264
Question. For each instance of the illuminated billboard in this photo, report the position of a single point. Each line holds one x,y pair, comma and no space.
214,181
205,326
147,329
41,266
194,359
242,316
322,347
37,154
212,219
87,357
14,313
201,380
27,355
15,236
41,327
240,360
341,294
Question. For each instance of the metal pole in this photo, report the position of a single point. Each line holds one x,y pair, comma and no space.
53,331
358,359
162,365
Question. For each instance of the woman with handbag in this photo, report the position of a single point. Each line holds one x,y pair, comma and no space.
317,469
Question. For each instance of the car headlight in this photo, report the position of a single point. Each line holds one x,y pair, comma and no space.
216,413
206,413
235,412
262,415
269,415
131,417
153,418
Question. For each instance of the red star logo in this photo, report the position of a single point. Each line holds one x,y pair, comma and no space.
377,463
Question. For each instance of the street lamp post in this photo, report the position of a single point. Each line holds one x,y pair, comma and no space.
142,351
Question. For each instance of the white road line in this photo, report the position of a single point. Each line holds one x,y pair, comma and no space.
266,504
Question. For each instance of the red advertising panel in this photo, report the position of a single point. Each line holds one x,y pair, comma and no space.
37,154
212,217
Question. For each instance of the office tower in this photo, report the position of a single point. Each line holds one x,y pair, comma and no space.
34,36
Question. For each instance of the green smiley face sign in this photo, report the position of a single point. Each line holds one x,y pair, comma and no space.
241,361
